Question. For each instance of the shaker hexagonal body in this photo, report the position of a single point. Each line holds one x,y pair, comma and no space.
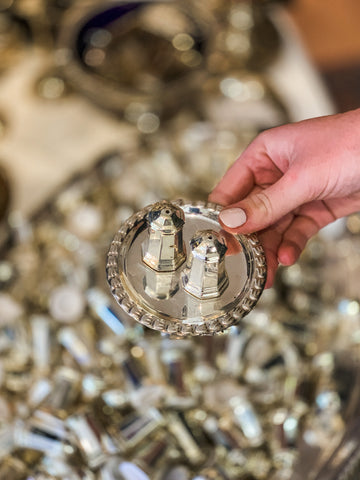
205,275
160,285
164,250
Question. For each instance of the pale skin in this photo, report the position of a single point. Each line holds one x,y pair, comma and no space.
290,182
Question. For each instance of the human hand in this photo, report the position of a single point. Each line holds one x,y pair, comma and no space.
290,182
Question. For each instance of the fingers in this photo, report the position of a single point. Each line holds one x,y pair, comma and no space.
309,220
284,242
265,207
270,240
272,266
295,239
232,244
262,163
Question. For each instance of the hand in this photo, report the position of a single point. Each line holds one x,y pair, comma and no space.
290,182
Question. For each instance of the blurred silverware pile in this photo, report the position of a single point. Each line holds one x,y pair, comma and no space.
86,393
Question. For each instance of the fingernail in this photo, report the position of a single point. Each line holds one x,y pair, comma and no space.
233,217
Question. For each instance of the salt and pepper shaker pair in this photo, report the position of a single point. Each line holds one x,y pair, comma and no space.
172,268
164,251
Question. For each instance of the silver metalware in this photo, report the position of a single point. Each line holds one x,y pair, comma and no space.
205,296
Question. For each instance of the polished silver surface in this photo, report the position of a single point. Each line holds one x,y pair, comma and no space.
160,286
164,248
160,301
205,276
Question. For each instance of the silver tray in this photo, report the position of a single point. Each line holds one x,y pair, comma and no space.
180,313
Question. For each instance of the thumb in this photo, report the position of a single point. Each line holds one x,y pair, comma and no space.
264,208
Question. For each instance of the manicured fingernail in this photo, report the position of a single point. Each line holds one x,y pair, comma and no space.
233,217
